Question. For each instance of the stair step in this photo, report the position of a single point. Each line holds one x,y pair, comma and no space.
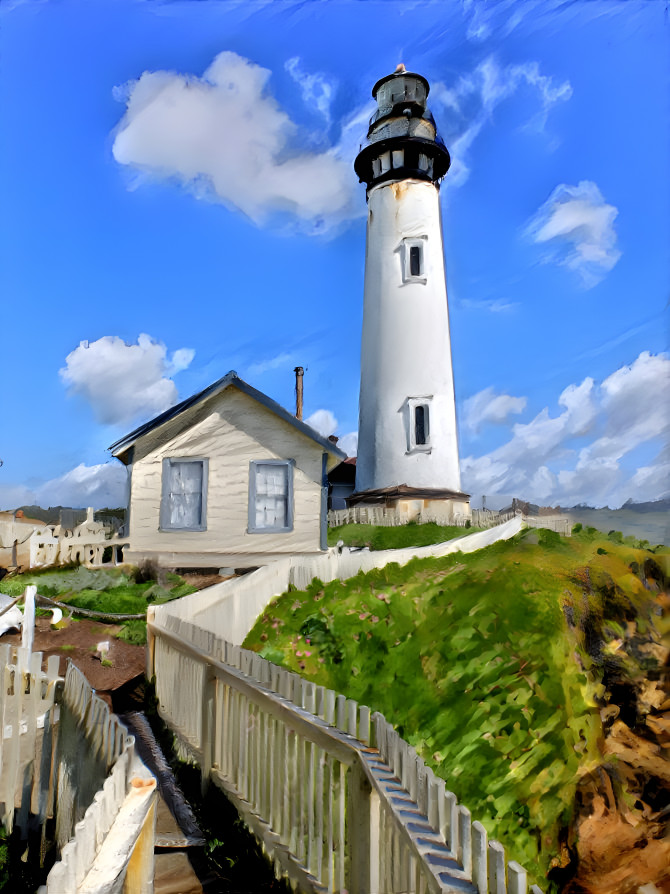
174,874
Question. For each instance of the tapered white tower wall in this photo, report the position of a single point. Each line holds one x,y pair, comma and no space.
407,424
405,347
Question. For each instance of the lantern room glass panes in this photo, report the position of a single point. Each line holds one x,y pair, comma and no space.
270,497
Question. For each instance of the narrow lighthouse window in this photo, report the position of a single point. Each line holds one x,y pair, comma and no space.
418,425
421,425
415,260
414,265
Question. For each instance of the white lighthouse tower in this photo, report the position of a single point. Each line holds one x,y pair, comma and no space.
407,439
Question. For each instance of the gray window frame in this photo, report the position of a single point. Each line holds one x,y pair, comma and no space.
407,245
412,404
164,523
252,528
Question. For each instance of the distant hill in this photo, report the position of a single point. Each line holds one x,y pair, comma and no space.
650,506
75,516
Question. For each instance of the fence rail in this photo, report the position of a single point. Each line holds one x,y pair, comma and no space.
383,516
338,799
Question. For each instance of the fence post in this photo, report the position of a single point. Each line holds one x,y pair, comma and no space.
207,725
363,820
151,643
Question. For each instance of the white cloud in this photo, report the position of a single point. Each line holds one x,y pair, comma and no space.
494,305
577,225
263,366
122,382
349,443
474,98
100,486
545,460
228,139
487,406
323,421
317,90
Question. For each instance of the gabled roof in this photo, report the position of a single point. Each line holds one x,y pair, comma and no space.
231,379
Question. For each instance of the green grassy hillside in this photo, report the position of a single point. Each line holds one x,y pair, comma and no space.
493,665
395,536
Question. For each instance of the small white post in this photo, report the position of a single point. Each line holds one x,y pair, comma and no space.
28,625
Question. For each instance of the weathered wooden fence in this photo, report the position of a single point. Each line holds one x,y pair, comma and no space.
65,756
338,799
392,517
96,809
28,713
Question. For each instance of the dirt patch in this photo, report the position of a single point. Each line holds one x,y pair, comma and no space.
78,641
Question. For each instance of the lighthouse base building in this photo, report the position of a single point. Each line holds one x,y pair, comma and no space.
407,435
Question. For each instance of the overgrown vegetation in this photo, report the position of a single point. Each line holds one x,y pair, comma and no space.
126,590
395,537
494,665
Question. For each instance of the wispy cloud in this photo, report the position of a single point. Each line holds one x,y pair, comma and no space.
226,138
577,226
317,89
263,366
123,382
473,99
543,460
493,305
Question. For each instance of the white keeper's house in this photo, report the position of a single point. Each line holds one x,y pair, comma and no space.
226,478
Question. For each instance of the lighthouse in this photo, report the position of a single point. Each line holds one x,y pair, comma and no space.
407,437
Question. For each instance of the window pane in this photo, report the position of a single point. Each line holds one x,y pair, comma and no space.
185,494
420,424
415,260
271,506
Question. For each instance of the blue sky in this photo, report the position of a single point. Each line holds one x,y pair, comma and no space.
179,200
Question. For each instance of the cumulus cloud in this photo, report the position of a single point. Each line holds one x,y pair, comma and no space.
577,226
227,138
583,454
323,421
317,90
349,443
99,486
122,382
473,99
488,406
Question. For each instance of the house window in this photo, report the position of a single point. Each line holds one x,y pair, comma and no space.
413,261
184,496
270,496
418,430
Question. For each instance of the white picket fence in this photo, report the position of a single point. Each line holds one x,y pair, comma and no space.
104,801
63,754
338,799
27,716
383,516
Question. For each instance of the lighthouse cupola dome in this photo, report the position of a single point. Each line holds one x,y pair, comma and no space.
402,138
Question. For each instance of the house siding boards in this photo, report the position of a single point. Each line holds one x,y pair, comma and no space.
232,430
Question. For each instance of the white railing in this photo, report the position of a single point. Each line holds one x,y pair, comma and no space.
559,523
338,799
230,609
27,717
104,799
383,516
